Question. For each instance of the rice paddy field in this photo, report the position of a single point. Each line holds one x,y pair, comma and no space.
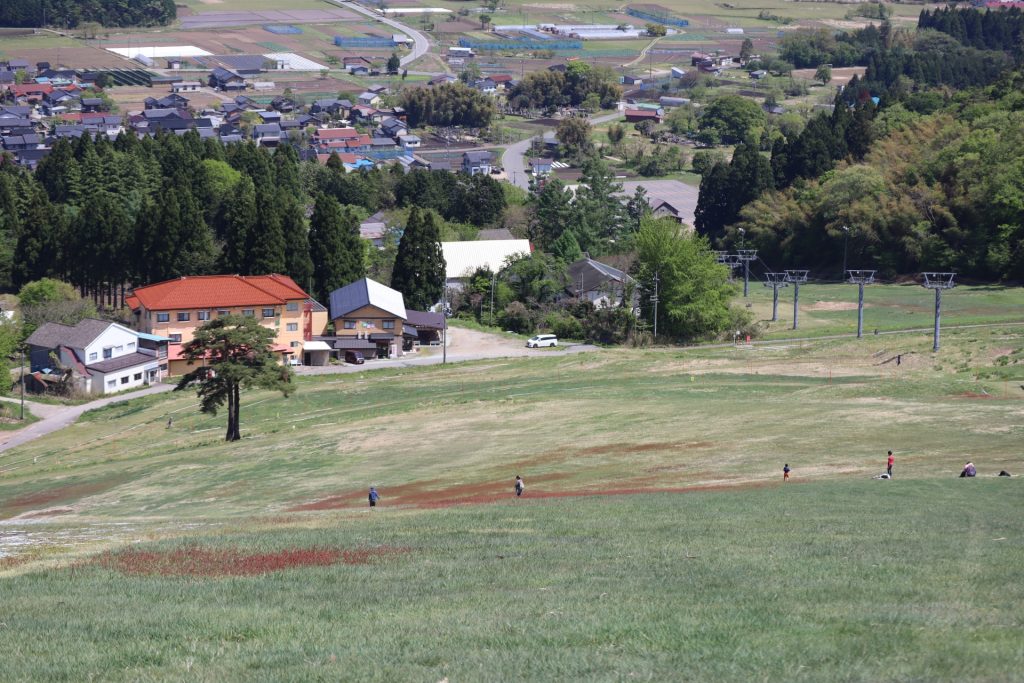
655,539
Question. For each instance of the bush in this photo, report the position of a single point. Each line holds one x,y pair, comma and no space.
564,326
517,318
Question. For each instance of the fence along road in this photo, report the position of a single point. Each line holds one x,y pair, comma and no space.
420,43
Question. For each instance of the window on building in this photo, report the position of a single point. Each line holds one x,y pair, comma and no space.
223,312
268,312
131,346
93,356
388,324
294,344
124,380
184,316
137,376
163,317
293,327
350,324
176,338
119,349
293,306
202,315
111,384
108,353
247,312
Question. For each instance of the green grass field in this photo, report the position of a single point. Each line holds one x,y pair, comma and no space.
655,541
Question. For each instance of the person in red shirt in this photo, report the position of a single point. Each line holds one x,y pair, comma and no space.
889,463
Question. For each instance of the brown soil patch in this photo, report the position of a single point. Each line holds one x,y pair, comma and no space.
420,497
832,306
205,562
642,447
46,497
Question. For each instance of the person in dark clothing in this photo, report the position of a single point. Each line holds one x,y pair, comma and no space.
374,497
785,473
519,486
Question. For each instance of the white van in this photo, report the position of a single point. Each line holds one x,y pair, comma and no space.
540,340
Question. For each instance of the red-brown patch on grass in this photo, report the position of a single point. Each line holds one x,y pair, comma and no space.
46,497
214,563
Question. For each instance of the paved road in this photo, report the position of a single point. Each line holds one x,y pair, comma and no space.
57,417
420,43
514,158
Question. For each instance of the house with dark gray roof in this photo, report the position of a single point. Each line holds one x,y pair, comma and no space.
477,162
366,310
223,79
598,283
100,356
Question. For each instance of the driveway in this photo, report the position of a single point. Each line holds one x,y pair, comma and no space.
54,417
463,345
420,43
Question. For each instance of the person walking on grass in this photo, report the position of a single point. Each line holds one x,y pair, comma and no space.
785,473
374,497
519,486
888,466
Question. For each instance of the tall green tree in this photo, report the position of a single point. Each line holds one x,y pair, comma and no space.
335,247
693,288
419,272
235,352
237,227
297,262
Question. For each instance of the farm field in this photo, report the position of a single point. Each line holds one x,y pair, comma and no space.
655,536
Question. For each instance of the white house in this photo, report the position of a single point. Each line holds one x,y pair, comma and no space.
462,259
102,357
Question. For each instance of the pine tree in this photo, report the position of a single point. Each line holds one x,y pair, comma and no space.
335,247
238,225
266,250
297,262
419,271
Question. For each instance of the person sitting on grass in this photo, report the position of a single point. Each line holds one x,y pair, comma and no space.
969,470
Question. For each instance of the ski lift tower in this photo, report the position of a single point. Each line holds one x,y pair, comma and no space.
797,277
775,281
860,278
745,256
938,282
727,259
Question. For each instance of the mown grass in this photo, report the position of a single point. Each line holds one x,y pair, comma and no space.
886,307
851,581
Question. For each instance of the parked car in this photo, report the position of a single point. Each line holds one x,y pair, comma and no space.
540,340
354,357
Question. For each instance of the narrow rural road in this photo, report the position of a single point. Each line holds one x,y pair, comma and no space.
514,158
420,42
54,417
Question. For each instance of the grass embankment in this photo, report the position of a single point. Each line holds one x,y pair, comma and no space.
725,574
853,581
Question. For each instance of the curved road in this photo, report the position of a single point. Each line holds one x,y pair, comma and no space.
420,42
514,158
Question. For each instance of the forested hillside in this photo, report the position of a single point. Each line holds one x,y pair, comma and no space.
919,159
102,215
71,13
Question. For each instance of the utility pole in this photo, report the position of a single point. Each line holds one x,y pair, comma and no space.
797,277
938,282
860,278
654,300
846,237
21,367
444,317
745,256
491,320
775,281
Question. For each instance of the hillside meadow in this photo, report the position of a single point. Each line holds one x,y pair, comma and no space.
655,539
